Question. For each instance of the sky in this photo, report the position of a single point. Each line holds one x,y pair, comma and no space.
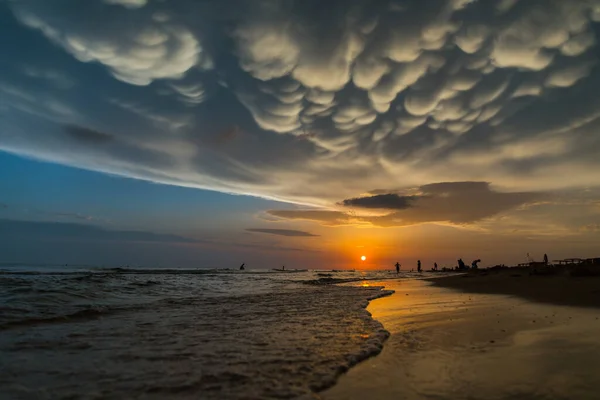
302,133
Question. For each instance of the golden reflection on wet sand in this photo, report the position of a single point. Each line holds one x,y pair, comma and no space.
451,345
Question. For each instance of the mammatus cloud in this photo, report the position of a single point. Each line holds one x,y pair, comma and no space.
282,232
136,47
312,103
458,203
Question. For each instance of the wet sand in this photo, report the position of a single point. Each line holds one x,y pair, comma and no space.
556,289
450,344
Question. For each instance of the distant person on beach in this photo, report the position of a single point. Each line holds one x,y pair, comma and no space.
283,268
461,264
435,266
474,263
397,267
419,265
546,259
242,267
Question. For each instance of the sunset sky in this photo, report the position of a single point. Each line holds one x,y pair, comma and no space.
304,133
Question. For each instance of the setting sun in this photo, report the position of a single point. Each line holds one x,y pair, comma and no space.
363,258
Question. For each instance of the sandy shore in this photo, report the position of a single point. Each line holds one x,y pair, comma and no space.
557,289
450,344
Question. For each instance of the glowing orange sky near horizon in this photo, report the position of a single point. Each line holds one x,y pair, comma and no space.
342,247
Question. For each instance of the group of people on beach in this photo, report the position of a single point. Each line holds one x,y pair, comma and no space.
398,265
461,265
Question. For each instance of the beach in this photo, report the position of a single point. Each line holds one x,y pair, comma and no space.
557,288
119,333
483,336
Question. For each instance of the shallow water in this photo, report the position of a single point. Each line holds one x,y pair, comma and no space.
95,333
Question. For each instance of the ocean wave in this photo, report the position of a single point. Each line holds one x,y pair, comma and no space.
285,342
92,312
65,270
117,270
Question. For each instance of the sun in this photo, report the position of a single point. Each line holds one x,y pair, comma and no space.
363,258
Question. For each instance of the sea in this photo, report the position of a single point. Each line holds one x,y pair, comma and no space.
73,332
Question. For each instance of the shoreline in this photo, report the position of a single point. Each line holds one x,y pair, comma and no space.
450,343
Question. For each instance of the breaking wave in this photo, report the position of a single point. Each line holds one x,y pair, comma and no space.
211,334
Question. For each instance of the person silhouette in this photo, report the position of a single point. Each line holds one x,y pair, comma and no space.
546,259
435,266
242,267
397,267
419,266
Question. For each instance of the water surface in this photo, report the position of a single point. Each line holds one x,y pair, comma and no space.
114,333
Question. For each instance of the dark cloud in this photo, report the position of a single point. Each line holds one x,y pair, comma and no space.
282,232
73,215
83,232
88,135
61,215
309,102
456,203
272,247
324,217
390,201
